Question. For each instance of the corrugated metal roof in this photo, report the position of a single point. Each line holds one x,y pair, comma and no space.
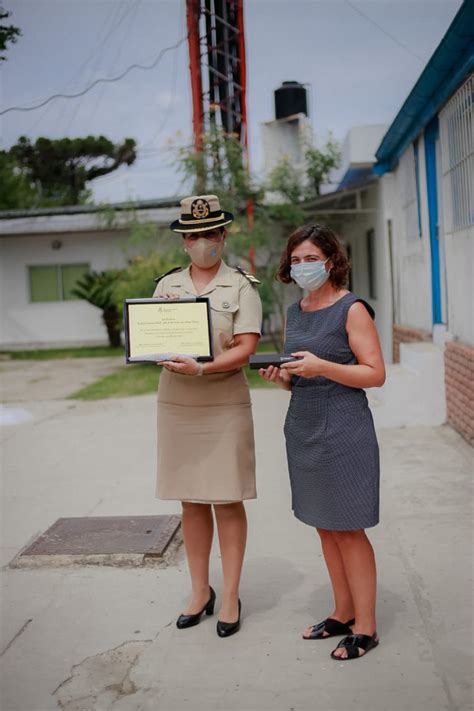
356,178
85,209
451,62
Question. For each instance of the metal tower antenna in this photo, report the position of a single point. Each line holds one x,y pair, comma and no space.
217,66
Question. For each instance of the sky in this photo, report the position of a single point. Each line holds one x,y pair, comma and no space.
360,59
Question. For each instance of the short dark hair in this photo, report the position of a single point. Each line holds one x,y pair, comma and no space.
328,242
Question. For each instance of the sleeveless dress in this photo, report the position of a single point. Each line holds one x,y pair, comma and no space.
332,450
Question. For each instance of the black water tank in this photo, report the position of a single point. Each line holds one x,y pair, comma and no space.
290,99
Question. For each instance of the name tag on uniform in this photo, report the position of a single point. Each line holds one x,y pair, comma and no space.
158,329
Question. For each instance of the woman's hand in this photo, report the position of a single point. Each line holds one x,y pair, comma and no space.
308,366
181,364
275,375
170,296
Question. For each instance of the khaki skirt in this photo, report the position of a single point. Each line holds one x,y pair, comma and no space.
206,449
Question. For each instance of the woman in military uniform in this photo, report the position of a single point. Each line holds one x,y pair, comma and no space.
206,454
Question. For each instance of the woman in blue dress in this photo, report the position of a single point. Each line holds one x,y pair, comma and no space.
332,450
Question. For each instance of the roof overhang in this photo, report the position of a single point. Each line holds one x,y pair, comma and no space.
86,218
342,202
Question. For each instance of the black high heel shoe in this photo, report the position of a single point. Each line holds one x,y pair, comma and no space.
184,621
226,629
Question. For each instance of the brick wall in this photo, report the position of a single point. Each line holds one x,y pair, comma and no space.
459,377
405,334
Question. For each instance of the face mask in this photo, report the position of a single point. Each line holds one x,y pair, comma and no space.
205,253
309,275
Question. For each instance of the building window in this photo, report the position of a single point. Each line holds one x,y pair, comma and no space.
370,236
457,156
349,256
410,193
55,282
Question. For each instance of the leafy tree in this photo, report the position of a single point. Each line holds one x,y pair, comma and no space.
294,186
98,288
61,168
137,280
16,190
8,33
218,168
321,162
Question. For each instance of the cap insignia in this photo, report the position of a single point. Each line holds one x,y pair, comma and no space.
200,209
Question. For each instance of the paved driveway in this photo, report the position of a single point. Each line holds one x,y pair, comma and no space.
104,639
38,380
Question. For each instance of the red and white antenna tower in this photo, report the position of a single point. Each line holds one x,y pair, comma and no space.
217,66
216,43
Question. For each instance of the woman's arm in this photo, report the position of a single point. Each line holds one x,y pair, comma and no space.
368,372
245,344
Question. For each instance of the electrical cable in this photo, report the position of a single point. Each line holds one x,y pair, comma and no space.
106,80
104,33
172,96
128,31
369,19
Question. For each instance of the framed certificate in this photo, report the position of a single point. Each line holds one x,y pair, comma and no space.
157,329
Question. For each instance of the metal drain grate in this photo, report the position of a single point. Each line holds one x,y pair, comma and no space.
128,539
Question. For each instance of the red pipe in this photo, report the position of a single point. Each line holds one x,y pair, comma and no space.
243,107
193,12
243,72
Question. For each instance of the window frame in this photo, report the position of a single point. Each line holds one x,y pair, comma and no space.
59,281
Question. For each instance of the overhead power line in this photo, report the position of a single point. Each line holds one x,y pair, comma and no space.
104,80
394,39
172,95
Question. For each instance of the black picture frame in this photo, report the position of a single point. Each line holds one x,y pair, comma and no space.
126,322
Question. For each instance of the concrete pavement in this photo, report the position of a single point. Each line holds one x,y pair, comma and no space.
33,380
96,638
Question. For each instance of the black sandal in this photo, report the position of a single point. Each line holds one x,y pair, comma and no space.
332,627
352,643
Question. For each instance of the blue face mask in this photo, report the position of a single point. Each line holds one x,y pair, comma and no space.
309,275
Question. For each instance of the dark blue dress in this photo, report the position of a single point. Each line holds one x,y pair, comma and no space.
333,455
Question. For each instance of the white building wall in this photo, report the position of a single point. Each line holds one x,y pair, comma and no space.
411,252
360,145
457,188
286,138
354,233
460,280
24,322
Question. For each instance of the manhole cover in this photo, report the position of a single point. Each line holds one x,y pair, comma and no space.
110,539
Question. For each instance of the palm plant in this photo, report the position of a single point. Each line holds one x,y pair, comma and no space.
98,288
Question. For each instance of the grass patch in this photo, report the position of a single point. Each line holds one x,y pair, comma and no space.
255,381
142,379
136,379
55,353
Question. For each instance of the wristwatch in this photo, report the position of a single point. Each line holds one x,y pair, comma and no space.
200,370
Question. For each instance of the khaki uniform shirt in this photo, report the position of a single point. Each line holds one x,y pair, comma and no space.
234,301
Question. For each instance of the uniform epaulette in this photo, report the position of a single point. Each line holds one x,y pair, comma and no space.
171,271
250,277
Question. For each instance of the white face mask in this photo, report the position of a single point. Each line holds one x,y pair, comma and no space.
309,275
205,253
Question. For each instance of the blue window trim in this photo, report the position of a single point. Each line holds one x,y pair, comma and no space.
431,137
